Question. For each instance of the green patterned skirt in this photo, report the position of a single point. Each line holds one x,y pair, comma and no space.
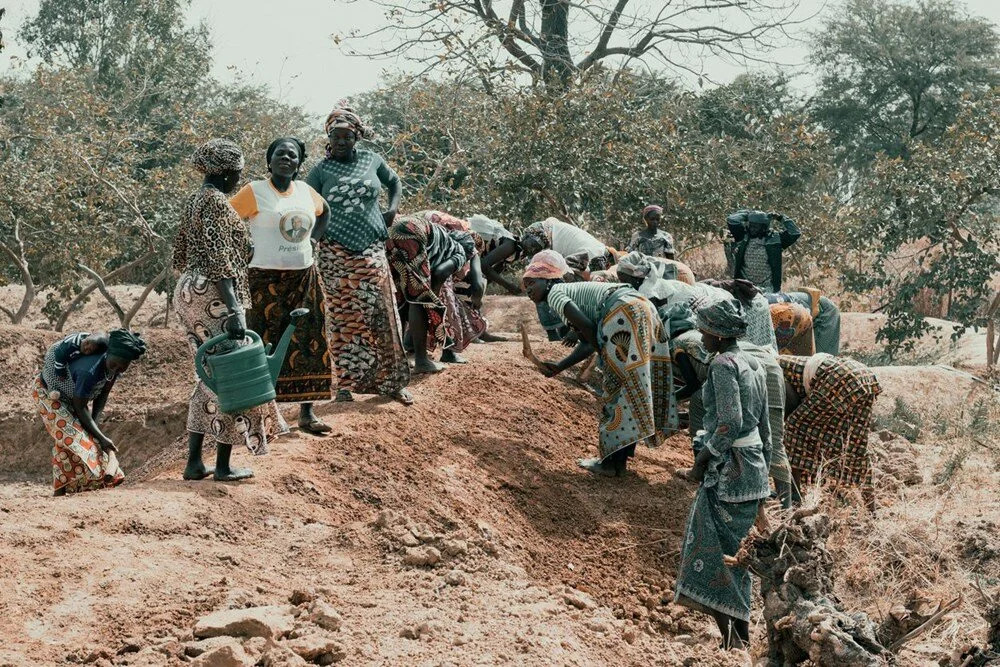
715,528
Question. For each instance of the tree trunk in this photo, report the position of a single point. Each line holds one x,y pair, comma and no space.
22,265
134,310
557,64
82,296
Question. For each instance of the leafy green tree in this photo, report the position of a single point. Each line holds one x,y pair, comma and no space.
94,145
594,154
930,224
893,74
143,41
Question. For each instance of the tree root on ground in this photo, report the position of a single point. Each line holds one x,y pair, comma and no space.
804,620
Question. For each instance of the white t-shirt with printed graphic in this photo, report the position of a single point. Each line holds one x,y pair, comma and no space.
281,223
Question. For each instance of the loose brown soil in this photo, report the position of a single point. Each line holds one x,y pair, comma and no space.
539,562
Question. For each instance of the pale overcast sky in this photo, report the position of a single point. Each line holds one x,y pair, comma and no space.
304,65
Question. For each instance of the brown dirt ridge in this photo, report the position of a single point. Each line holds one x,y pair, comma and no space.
457,531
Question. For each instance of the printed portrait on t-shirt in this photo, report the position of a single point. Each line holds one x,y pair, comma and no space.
295,226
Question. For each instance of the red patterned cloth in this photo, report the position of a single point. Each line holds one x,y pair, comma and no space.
78,464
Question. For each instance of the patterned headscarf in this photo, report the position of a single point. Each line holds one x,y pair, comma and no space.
634,264
722,318
217,156
343,115
125,344
650,209
547,264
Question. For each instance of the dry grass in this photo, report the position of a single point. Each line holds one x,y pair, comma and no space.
916,545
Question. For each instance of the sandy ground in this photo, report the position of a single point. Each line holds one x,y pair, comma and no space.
142,562
540,563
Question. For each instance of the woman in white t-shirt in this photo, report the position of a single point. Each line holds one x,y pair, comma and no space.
285,215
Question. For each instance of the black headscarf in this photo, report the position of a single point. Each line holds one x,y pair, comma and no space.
125,344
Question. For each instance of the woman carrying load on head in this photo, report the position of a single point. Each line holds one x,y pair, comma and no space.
363,328
731,467
623,327
71,391
828,412
212,250
424,256
286,216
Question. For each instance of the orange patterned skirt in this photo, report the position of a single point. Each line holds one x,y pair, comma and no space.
78,464
362,326
793,329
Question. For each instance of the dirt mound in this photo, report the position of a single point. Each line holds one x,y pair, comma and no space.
929,391
458,527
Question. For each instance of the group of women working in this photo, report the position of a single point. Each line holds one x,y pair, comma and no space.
247,260
322,243
753,413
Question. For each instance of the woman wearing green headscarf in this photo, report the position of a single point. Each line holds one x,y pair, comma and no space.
71,391
731,466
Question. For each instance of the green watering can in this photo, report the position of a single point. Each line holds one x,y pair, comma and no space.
244,377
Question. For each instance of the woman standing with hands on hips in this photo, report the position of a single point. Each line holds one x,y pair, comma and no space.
211,250
285,217
363,328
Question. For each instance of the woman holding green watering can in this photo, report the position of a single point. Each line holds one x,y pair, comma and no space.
212,250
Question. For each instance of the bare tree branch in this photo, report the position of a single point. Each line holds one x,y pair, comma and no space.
572,36
134,310
101,285
21,261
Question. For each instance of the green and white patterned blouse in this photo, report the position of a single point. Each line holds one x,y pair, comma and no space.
352,190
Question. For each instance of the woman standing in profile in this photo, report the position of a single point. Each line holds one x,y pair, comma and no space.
363,328
211,251
285,215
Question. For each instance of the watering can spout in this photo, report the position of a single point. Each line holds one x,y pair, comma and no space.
277,358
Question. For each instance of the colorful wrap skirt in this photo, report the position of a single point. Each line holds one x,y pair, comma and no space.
793,329
407,249
363,330
78,464
463,323
715,528
638,399
306,373
202,311
828,431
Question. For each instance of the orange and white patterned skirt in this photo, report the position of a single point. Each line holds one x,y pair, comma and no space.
78,464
